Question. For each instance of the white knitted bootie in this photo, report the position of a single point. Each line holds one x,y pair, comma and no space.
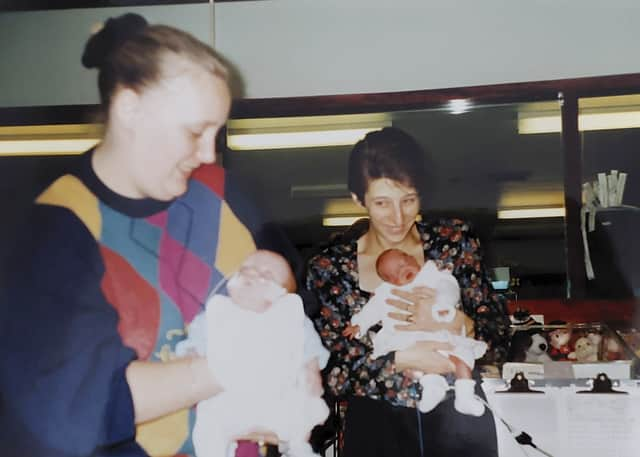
466,401
434,388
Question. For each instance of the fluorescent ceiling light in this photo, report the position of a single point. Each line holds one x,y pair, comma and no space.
459,106
58,139
340,221
45,147
539,124
302,131
528,213
595,113
586,122
260,141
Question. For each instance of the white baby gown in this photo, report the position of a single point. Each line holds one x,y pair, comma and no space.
258,360
389,339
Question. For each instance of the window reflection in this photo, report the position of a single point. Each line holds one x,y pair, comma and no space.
481,165
610,142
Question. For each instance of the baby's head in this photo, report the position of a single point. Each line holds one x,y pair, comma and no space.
397,267
262,278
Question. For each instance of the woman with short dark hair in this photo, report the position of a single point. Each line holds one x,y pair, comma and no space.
387,177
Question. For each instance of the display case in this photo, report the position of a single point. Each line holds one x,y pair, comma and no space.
560,350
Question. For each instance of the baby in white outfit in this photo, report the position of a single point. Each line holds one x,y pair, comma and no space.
258,345
400,270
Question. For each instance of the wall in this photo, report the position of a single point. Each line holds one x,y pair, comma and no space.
290,48
40,50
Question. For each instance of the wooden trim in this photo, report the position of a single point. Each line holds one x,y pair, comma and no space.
422,99
360,103
573,197
580,311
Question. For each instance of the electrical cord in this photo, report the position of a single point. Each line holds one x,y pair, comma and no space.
521,437
420,435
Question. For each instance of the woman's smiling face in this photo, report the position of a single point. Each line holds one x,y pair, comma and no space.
392,208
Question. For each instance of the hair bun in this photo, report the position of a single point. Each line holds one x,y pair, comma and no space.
114,33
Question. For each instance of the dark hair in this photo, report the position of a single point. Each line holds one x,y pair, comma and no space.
388,153
129,52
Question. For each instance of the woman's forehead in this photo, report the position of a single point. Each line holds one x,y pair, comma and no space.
388,187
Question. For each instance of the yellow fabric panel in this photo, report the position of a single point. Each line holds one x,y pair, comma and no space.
234,243
69,192
165,436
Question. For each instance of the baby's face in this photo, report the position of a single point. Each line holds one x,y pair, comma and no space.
398,268
259,281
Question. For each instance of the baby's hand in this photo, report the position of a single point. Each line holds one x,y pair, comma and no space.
351,331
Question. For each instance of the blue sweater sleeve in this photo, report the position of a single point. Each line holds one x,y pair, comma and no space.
62,376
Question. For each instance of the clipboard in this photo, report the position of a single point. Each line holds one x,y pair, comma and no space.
602,385
519,384
601,421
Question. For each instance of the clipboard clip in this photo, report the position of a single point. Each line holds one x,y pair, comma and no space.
519,384
602,385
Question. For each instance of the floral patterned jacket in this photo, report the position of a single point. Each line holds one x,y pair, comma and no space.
333,276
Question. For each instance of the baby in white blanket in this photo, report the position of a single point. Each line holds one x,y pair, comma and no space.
259,344
400,270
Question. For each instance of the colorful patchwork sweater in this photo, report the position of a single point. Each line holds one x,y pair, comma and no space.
99,280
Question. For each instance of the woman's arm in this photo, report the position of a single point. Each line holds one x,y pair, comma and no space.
484,315
424,356
351,368
369,315
414,313
154,386
69,385
63,384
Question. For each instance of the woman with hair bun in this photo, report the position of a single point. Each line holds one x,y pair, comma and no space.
118,257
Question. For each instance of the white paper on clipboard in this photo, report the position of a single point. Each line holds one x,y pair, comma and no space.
564,423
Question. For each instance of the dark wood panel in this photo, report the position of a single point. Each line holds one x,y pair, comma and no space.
573,196
420,99
578,311
41,115
361,103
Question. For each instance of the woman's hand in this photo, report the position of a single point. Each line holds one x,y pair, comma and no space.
259,436
416,305
424,356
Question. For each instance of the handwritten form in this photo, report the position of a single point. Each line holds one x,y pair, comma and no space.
564,423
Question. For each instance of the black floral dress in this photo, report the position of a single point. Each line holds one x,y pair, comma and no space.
333,277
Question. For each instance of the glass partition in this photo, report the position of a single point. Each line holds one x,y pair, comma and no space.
610,138
498,154
488,169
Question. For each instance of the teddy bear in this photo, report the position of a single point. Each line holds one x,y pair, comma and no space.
559,339
585,350
528,346
613,350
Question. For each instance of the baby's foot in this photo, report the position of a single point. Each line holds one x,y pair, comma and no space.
434,388
466,401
